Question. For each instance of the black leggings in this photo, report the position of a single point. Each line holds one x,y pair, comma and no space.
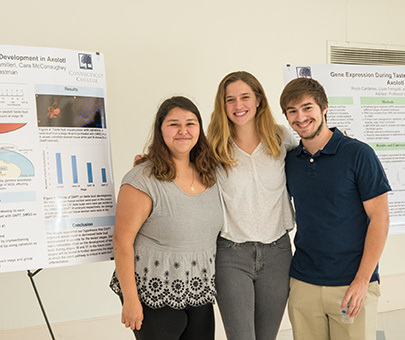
191,323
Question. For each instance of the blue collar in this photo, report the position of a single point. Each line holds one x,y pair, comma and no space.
329,149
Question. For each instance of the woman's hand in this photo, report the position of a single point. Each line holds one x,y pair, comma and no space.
132,314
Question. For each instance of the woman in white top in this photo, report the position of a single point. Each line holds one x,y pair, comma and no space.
253,250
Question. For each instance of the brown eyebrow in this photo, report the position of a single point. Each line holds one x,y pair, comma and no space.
187,120
242,94
303,105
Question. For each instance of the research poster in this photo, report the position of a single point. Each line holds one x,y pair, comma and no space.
368,103
57,201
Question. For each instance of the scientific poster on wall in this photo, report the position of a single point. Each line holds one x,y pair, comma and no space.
368,103
57,201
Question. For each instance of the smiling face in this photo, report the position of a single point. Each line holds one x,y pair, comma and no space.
240,103
180,131
306,118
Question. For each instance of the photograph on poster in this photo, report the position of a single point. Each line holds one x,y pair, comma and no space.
70,111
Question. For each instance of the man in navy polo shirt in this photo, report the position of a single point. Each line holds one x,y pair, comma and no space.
339,190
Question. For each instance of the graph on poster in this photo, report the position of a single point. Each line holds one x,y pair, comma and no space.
75,168
74,172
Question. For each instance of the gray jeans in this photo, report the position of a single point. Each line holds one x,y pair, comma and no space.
252,281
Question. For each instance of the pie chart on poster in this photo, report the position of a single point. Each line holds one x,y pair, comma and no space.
8,127
13,164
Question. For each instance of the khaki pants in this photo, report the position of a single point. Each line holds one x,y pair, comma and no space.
314,313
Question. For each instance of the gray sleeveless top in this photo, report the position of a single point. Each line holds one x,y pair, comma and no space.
176,246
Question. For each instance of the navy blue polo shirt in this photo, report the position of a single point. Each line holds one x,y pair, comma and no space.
328,189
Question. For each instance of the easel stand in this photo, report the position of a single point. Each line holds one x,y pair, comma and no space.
31,276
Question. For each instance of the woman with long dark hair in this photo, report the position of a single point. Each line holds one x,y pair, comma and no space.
167,220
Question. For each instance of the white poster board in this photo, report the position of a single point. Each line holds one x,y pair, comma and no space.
368,103
57,201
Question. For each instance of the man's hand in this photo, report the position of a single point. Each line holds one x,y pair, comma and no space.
354,297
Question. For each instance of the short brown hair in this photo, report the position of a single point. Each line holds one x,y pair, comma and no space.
299,88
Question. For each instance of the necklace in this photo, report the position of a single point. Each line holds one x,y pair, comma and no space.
192,182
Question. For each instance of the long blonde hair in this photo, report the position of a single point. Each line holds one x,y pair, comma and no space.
221,130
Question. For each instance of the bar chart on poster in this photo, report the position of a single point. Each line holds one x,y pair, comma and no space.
57,202
75,168
74,171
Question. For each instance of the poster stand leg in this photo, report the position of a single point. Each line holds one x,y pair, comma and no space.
31,276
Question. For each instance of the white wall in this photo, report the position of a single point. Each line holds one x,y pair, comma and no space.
158,48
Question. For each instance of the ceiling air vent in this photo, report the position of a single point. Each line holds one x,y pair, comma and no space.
361,55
